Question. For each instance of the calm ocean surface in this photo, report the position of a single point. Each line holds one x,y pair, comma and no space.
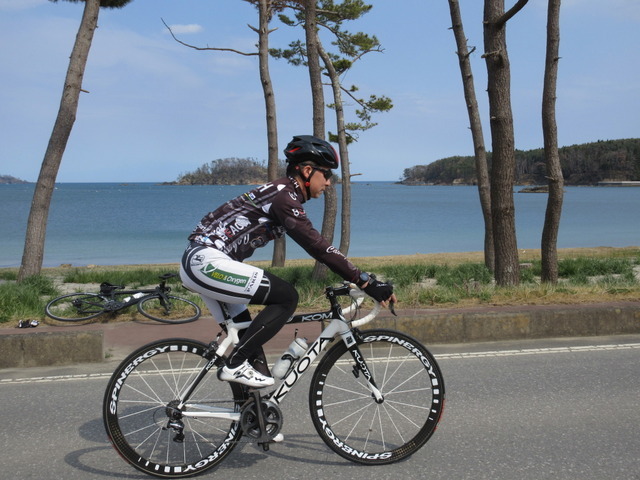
111,224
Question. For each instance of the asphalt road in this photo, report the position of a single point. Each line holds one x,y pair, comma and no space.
548,409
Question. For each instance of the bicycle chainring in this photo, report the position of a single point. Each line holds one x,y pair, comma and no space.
113,305
250,421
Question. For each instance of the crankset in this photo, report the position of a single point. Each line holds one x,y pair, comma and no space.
261,420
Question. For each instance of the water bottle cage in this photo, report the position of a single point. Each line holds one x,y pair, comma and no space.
286,357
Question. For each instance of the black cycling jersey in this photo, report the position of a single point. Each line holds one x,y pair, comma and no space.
253,219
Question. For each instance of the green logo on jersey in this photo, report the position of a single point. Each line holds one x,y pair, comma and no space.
224,277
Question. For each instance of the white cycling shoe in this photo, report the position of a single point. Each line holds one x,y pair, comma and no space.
245,374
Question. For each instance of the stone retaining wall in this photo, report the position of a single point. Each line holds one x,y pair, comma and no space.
86,345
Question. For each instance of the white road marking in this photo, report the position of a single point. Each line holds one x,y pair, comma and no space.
538,351
442,356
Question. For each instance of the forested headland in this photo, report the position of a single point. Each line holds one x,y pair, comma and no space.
228,171
231,171
585,164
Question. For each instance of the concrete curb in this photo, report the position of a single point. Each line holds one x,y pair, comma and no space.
516,323
37,349
89,343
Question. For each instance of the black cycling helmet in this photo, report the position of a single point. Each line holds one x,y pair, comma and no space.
307,148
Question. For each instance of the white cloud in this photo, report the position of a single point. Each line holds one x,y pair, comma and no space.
185,29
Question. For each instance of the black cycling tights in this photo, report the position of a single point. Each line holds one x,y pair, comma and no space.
280,299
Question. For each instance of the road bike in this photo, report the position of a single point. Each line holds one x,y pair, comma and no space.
376,396
154,303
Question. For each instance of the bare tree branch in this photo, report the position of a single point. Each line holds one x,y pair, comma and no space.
468,54
206,48
257,30
512,11
354,98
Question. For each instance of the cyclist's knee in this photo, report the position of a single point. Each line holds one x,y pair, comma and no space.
276,291
291,297
288,296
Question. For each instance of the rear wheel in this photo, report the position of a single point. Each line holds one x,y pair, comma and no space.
347,416
76,307
169,309
144,423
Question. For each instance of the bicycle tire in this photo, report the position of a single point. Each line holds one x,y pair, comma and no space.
347,417
136,416
76,307
169,309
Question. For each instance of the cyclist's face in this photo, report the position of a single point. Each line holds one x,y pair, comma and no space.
317,179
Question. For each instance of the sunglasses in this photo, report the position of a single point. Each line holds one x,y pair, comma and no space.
327,173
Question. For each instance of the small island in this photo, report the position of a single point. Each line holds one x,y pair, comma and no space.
9,180
535,189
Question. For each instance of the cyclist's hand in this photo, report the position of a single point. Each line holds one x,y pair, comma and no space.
380,291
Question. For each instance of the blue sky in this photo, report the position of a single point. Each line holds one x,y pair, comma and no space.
157,109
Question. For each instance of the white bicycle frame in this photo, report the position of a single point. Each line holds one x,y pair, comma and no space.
337,327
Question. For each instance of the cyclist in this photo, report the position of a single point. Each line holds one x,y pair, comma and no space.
212,263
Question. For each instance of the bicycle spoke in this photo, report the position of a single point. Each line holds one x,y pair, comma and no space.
355,424
157,429
402,414
365,394
397,429
377,414
138,412
347,416
152,395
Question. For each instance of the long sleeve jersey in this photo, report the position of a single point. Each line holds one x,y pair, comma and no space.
251,220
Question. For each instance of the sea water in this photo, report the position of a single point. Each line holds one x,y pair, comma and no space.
111,223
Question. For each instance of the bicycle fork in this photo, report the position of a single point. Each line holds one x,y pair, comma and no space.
360,367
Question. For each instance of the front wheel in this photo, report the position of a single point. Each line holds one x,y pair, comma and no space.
144,420
76,307
347,416
169,309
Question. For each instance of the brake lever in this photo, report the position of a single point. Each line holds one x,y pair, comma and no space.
392,308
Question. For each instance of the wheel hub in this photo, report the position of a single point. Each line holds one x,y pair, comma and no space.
175,421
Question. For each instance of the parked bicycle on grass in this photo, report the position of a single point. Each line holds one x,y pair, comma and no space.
155,303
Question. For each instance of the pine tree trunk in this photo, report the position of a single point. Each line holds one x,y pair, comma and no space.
34,244
482,171
345,224
317,94
264,12
507,271
549,245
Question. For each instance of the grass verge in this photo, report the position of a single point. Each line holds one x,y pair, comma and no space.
421,281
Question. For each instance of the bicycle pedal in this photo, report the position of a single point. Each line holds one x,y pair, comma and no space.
278,438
